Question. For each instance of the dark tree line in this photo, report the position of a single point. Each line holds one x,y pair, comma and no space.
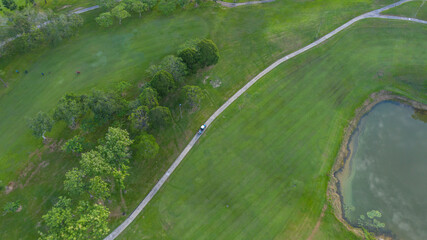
32,28
123,9
102,170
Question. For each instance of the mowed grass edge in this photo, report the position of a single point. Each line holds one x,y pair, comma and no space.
261,169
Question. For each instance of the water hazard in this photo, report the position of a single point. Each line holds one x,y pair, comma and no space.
384,183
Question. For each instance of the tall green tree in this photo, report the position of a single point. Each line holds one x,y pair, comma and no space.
139,118
104,105
145,147
86,221
115,150
175,66
190,57
208,52
150,3
91,222
167,7
93,164
75,182
98,188
70,108
160,117
40,124
148,97
107,3
182,3
120,12
138,6
192,96
74,145
163,82
57,220
104,19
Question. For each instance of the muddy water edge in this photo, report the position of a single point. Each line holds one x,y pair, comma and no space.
334,194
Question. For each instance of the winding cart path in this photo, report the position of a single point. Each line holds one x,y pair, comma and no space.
156,188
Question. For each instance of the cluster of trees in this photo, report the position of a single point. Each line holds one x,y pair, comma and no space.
169,74
32,28
123,9
101,171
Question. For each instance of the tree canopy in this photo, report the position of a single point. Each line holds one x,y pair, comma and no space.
85,221
192,95
148,97
40,124
120,12
160,117
190,57
166,7
105,19
145,146
69,108
163,82
208,52
139,118
74,145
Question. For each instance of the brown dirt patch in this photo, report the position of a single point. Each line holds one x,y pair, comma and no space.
333,191
10,187
317,226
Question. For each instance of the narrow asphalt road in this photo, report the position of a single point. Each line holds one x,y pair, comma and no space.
156,188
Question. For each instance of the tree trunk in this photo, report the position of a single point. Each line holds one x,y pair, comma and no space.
139,14
120,21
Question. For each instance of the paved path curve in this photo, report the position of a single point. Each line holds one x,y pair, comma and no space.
230,5
156,188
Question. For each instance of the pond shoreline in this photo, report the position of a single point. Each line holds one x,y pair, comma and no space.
341,164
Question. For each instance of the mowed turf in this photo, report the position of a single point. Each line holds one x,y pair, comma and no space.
249,39
415,9
261,169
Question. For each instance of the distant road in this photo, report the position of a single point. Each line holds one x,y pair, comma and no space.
156,188
230,5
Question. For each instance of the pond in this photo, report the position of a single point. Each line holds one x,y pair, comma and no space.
384,182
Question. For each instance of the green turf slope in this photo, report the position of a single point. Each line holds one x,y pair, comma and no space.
261,170
415,9
249,39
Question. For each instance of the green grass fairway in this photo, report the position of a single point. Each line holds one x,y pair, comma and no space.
269,155
415,9
249,39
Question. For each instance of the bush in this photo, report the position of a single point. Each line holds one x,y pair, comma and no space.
74,145
160,117
11,207
208,52
148,97
191,58
166,7
192,96
163,82
104,19
145,146
139,118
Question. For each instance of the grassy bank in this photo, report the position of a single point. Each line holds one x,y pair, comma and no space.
249,39
261,170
